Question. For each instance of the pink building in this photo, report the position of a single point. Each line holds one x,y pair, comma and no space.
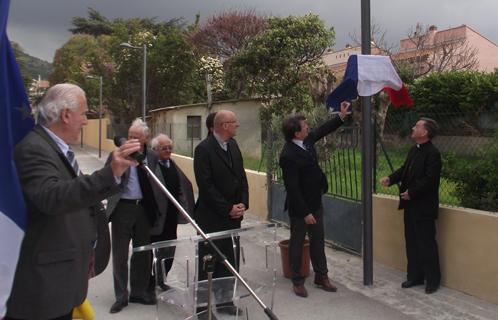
426,49
336,60
429,45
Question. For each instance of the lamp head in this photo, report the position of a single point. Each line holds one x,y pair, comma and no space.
127,45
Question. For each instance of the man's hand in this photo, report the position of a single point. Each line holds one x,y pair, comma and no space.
344,109
120,161
237,211
309,219
405,195
385,181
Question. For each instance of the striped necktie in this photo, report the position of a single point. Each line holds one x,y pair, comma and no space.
72,160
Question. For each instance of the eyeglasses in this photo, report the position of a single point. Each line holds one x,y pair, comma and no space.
167,148
233,121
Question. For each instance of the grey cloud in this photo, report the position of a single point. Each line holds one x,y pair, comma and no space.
40,26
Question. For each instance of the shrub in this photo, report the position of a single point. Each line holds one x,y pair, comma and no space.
477,179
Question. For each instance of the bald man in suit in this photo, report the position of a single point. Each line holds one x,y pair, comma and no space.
223,192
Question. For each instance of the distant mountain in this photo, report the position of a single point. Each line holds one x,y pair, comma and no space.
35,66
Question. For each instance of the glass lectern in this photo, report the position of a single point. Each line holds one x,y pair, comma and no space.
181,295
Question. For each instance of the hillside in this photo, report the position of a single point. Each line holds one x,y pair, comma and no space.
35,66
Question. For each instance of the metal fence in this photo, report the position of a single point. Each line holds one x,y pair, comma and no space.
464,138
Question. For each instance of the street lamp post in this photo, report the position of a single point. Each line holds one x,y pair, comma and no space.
100,112
144,97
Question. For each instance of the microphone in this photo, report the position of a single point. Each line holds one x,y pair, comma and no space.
118,141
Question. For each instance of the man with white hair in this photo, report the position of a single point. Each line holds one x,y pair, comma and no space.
177,183
52,273
132,213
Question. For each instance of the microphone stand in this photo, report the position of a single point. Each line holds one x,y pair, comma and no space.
224,260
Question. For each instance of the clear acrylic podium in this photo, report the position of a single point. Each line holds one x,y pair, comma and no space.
186,295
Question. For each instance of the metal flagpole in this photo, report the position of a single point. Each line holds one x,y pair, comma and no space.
366,156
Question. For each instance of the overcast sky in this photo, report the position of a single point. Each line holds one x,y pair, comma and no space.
40,26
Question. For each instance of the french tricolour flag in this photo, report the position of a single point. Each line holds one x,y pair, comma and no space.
15,123
366,75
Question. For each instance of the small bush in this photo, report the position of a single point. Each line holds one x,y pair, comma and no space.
476,179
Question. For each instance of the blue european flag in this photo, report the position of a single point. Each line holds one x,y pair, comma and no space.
15,123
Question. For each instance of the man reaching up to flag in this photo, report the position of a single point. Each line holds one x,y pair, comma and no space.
52,273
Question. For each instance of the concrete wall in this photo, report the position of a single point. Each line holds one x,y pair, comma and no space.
468,242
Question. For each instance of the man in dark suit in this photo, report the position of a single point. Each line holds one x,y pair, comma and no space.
132,212
305,184
223,192
177,183
210,122
419,197
52,273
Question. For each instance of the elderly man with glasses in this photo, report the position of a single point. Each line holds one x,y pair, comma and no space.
166,224
223,198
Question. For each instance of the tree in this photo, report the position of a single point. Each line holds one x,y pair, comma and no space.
320,81
95,25
275,66
379,42
227,32
172,67
467,93
276,63
83,55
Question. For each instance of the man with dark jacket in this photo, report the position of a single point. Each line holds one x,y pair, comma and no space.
132,212
305,184
165,226
223,192
419,197
53,268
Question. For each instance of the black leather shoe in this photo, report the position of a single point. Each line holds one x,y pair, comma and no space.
118,306
147,300
431,288
231,310
411,283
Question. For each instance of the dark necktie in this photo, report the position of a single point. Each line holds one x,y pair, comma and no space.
310,151
165,163
72,160
229,156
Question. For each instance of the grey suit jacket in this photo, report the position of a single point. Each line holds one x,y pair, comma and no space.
185,198
52,273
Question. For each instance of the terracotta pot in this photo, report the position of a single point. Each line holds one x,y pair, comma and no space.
305,262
